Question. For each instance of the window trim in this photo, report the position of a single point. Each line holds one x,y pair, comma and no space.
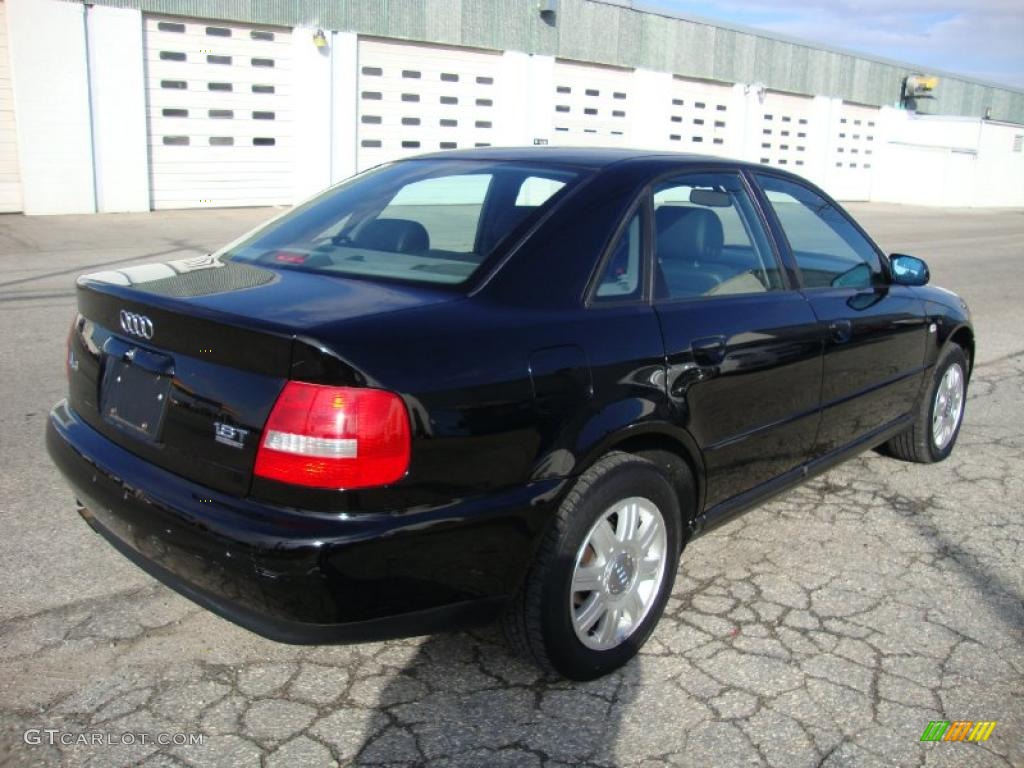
776,225
788,285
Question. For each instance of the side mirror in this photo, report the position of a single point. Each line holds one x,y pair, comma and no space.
908,270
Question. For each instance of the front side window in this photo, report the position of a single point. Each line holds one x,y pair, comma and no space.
429,221
827,247
708,240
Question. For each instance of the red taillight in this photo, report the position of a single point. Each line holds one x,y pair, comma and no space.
334,437
70,362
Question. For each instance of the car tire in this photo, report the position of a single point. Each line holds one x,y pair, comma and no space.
632,573
940,413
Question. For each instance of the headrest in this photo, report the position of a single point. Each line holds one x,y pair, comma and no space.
668,216
395,235
693,234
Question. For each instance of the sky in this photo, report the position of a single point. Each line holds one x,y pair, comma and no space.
979,38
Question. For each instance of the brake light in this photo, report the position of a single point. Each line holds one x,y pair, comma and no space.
334,437
289,257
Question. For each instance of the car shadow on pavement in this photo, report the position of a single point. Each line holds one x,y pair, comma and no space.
462,699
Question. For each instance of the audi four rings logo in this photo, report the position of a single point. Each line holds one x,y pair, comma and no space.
136,325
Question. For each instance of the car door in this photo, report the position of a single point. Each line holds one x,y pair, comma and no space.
876,331
743,347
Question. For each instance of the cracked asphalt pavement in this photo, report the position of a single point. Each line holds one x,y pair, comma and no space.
826,628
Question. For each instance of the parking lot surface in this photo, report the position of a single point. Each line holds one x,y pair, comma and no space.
827,628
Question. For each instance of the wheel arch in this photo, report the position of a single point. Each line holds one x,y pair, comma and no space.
649,438
963,337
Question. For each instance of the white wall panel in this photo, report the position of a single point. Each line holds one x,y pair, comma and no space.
51,105
312,118
960,180
912,175
1000,165
947,161
10,166
540,72
344,138
118,92
650,113
513,127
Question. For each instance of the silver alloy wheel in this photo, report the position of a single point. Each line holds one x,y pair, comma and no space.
948,407
618,573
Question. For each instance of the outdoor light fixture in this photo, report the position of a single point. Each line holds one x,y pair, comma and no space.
916,88
320,39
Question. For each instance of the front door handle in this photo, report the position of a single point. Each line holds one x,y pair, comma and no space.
840,331
709,350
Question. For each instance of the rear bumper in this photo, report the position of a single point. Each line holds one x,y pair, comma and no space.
304,577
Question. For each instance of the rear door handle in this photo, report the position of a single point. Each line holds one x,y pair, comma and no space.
840,331
709,350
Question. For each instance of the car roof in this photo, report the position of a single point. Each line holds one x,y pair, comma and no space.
590,157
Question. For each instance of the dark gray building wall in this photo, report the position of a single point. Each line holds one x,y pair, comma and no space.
614,32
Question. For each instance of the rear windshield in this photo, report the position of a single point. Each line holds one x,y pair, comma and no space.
430,221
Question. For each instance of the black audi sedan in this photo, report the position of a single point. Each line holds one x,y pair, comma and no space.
495,383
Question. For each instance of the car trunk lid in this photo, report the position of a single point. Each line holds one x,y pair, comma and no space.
181,362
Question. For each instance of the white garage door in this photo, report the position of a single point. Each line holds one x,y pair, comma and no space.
422,98
786,130
220,123
10,175
591,105
851,151
699,117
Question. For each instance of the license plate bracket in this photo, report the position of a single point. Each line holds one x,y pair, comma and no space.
134,398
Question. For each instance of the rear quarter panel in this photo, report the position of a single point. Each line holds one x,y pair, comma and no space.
497,396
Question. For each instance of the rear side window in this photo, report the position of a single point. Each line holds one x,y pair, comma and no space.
708,240
430,221
827,247
621,278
